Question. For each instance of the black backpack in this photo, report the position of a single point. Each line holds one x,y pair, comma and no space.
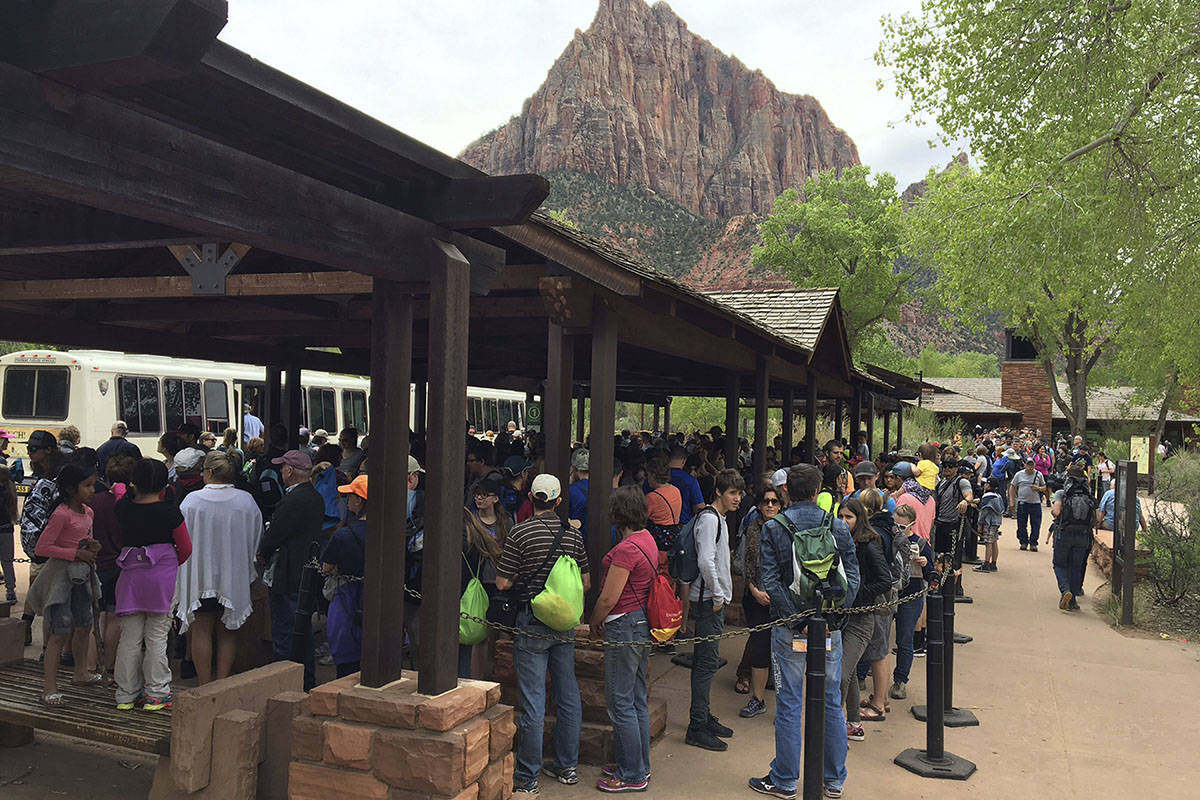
946,495
1078,512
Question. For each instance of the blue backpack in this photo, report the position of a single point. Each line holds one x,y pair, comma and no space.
681,559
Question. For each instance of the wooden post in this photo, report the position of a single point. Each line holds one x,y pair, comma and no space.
420,406
789,426
272,400
856,405
291,406
732,400
580,417
556,411
654,423
887,433
383,587
870,425
810,419
839,415
900,427
667,417
762,402
449,312
603,419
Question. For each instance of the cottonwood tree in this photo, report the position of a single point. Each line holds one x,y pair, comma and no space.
843,231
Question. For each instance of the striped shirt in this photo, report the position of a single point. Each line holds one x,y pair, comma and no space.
523,558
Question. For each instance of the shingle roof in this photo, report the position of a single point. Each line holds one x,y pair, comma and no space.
984,389
1104,403
952,403
800,314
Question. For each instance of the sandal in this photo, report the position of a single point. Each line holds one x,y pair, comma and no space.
95,679
870,713
742,686
54,700
887,708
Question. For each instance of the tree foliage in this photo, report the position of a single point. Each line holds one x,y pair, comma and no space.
842,232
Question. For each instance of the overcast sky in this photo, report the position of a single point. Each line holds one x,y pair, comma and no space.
446,72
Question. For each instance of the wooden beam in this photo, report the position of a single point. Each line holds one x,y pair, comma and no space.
87,149
733,399
442,567
383,589
553,245
900,429
485,201
789,425
273,400
887,432
603,419
292,406
71,228
810,423
839,413
518,277
556,411
280,284
762,401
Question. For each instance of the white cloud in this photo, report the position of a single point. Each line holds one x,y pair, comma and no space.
449,71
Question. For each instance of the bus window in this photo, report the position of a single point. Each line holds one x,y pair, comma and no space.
491,415
354,409
139,404
36,392
322,410
506,413
216,407
181,403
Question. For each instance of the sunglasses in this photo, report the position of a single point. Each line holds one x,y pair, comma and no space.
769,501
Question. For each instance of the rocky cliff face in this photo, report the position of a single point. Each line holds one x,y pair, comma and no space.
640,99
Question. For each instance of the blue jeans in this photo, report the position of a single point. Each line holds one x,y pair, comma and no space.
706,658
1070,553
907,614
1029,515
789,712
625,693
283,623
533,657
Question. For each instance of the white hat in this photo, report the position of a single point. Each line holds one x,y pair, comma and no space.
189,458
779,478
545,488
414,465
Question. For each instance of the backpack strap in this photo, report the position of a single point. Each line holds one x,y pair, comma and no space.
668,502
716,542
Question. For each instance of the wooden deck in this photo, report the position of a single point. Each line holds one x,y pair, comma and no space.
90,712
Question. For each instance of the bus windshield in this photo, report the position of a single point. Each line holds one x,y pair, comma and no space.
36,392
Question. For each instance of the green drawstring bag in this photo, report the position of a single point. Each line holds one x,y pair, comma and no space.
560,605
474,601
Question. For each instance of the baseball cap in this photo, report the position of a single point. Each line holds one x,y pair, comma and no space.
865,469
41,439
779,478
320,433
902,468
189,458
414,465
545,487
581,459
357,486
294,458
515,465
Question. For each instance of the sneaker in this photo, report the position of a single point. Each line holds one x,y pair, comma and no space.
610,771
1024,547
125,706
1065,601
992,567
614,785
564,775
764,786
1073,605
158,703
526,788
1033,548
899,691
704,738
919,652
753,708
833,793
855,733
717,729
982,568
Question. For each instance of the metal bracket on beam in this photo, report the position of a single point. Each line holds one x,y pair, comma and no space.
207,269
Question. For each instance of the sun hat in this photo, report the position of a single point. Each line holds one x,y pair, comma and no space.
357,486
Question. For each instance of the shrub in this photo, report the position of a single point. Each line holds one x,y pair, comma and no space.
1173,539
1177,479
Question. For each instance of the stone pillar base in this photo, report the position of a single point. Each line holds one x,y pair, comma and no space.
395,744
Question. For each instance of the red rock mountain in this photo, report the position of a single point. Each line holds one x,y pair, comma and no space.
639,99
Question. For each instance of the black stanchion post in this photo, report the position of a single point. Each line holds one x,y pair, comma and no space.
306,604
951,716
814,709
934,761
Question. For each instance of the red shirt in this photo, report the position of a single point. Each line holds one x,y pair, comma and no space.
60,538
637,553
664,505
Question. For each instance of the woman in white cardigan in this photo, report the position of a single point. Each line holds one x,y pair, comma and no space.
225,525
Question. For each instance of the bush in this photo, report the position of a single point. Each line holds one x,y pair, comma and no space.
1173,539
922,425
1177,479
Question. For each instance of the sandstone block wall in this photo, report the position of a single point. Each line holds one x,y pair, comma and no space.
1025,387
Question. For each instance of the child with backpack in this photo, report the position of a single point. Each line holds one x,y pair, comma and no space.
154,542
343,564
991,510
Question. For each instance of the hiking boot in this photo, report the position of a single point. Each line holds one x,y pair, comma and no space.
855,732
753,708
1065,601
568,776
717,729
614,785
704,738
899,691
764,786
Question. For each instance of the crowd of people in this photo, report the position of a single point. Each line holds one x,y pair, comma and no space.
176,543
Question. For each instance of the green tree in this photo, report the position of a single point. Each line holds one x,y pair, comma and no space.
843,232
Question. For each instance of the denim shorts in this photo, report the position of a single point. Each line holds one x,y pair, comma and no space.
75,614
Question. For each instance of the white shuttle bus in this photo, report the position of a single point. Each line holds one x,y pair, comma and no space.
90,389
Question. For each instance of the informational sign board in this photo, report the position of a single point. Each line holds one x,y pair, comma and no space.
1140,453
533,415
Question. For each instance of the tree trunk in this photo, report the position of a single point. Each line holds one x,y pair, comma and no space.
1160,426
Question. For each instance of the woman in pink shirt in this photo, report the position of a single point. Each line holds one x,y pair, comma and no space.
67,540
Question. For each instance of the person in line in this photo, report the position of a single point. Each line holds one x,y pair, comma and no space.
927,469
991,511
910,612
295,529
45,461
213,586
708,595
756,602
688,486
106,529
620,616
414,558
876,653
856,635
66,587
229,443
1074,512
252,426
8,519
154,543
484,530
527,556
777,556
1026,491
344,564
117,443
833,487
577,491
